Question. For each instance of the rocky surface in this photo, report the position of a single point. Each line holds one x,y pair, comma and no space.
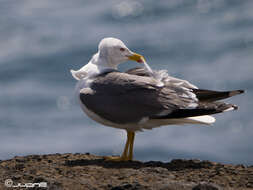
90,172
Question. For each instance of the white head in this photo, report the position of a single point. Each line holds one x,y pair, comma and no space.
113,52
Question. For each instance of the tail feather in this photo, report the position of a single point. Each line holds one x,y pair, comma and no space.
207,105
204,108
235,92
211,96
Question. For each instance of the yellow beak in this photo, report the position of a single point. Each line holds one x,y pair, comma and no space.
136,57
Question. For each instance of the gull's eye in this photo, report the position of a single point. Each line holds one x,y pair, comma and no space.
122,49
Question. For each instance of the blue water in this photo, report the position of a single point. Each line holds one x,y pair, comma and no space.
209,43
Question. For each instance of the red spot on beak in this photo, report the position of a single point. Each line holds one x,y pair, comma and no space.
140,61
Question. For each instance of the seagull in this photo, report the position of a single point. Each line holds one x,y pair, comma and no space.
140,98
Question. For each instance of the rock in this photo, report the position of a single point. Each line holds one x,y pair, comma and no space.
87,171
206,186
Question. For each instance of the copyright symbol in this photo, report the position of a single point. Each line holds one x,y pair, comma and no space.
8,183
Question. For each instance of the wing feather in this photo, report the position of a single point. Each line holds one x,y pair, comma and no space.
131,96
126,98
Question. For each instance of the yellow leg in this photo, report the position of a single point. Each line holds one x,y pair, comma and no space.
130,156
128,150
124,154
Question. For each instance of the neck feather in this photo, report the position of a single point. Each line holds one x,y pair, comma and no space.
99,64
103,61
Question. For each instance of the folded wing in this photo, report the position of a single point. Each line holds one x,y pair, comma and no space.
125,98
129,97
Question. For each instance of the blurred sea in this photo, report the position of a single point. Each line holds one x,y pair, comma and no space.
208,42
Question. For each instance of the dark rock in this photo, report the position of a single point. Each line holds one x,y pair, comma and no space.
20,160
19,166
135,186
39,179
206,186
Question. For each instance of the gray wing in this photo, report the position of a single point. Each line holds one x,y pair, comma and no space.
202,95
163,76
127,98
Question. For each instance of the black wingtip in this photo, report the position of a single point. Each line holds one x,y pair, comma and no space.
235,107
235,92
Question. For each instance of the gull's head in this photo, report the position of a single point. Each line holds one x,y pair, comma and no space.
114,51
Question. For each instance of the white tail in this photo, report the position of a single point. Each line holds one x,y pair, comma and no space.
204,119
